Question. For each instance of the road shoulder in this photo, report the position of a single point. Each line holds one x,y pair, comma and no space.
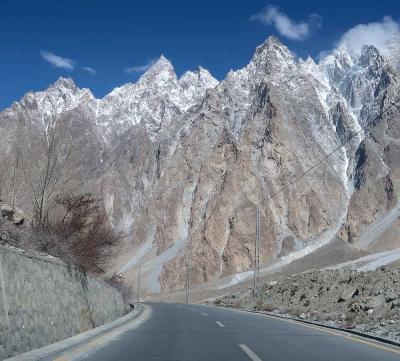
356,336
82,342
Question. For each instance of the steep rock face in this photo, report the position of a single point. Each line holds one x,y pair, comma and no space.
230,157
50,138
183,163
374,87
254,132
111,143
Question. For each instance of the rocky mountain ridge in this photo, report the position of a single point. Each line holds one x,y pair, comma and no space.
182,163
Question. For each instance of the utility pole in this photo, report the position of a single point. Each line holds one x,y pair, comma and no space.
257,256
187,277
138,291
122,290
121,279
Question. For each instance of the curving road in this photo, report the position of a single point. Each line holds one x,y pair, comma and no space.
180,332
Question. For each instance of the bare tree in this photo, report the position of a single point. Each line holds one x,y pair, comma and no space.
71,226
11,171
83,224
16,177
47,178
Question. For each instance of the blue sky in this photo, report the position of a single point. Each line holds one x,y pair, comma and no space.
104,44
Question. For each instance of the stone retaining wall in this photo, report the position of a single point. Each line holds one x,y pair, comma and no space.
44,300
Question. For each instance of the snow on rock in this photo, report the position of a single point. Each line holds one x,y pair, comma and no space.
194,126
46,106
154,100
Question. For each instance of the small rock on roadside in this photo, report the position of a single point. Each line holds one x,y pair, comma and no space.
348,293
11,213
374,302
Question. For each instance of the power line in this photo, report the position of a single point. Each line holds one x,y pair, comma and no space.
295,180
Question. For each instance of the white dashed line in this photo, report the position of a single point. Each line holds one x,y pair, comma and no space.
249,353
220,324
204,314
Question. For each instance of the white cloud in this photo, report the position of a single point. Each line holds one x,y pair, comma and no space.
271,15
378,34
58,61
140,68
90,70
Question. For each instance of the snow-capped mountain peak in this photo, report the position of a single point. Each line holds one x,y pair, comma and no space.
194,84
161,71
154,100
46,106
201,76
183,161
272,50
66,83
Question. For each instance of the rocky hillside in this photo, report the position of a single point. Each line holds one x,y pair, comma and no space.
365,301
182,163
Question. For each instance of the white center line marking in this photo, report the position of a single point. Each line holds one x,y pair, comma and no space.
249,353
204,314
220,324
192,309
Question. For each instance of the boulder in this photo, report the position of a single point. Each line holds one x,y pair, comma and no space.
6,210
11,213
348,293
374,302
395,303
18,216
391,295
355,307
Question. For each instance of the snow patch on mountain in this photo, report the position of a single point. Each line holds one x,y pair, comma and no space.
154,100
329,101
46,106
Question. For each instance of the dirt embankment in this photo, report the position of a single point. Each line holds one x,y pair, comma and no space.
365,301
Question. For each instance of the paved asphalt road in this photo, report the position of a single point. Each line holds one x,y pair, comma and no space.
180,332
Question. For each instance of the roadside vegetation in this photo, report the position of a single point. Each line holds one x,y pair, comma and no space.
57,219
78,232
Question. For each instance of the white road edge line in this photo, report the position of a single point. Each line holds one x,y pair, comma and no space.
249,353
204,314
219,324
